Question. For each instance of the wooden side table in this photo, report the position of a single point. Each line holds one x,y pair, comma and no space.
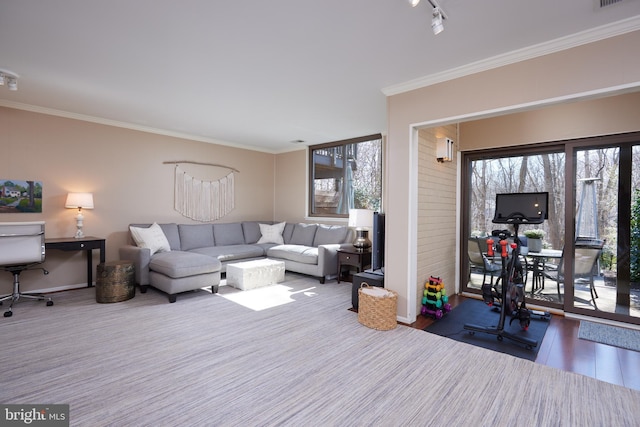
353,257
86,244
116,281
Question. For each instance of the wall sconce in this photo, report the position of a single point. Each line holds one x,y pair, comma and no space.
362,220
79,200
444,150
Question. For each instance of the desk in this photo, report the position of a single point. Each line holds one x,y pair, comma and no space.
353,257
87,244
539,259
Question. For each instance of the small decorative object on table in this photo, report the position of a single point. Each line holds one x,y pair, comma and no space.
534,239
378,307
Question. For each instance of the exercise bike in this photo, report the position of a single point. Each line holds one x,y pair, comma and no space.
509,288
514,276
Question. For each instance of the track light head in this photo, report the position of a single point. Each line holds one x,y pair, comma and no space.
436,21
9,78
12,84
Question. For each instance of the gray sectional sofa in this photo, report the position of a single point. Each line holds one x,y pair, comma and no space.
195,255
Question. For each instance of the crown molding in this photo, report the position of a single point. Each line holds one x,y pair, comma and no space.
584,37
124,125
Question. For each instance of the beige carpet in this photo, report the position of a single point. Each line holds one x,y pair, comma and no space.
301,359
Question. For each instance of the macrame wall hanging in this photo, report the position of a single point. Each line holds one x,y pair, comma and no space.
203,200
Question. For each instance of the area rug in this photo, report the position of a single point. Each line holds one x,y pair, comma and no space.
209,361
476,312
611,335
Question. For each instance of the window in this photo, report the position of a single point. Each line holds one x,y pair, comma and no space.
345,175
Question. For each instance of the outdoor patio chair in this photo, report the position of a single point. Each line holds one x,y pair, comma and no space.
587,253
477,249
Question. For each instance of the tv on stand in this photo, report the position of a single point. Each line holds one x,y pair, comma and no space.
377,247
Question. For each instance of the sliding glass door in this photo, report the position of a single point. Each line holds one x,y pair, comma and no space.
590,258
507,172
606,183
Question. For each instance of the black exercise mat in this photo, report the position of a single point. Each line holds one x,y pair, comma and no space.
476,312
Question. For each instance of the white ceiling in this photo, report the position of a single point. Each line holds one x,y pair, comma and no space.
262,74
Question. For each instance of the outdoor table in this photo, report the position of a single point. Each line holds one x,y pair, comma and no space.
539,259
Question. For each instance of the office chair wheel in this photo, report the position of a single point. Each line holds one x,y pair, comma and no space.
49,303
8,313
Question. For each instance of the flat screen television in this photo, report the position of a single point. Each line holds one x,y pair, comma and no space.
521,208
377,246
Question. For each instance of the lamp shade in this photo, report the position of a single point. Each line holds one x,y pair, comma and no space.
79,200
360,218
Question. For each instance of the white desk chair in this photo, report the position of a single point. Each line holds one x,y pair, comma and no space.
21,248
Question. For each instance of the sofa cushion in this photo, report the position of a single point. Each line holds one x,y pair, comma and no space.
171,231
328,234
251,230
303,234
183,264
272,233
231,252
228,234
151,237
298,253
195,236
288,231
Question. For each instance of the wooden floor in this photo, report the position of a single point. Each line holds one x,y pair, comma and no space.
561,348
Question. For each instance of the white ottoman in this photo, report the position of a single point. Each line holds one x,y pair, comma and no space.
254,274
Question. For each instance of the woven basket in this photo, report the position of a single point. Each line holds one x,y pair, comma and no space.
377,312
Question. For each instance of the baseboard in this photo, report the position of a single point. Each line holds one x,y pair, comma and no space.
58,288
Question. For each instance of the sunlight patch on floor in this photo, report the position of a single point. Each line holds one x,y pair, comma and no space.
264,298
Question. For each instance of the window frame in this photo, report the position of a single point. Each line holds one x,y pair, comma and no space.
311,171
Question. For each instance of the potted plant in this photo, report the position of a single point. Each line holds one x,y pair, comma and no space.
534,239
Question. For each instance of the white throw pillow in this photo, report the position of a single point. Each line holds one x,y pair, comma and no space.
152,238
272,233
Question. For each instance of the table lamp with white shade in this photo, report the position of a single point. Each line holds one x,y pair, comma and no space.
79,201
362,220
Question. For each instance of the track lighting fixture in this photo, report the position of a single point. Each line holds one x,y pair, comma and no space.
12,83
438,17
9,78
436,21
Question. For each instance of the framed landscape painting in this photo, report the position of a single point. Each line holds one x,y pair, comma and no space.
18,196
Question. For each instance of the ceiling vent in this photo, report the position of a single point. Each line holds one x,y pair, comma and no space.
604,3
